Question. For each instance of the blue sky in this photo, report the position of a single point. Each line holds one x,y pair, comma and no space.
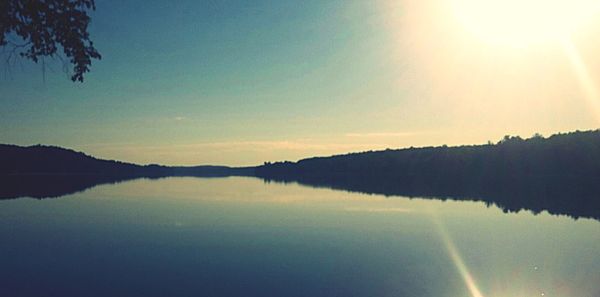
242,82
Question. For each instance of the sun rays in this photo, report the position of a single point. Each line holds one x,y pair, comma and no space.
580,69
490,65
534,23
457,259
522,22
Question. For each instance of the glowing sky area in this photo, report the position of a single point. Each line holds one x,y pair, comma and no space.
243,82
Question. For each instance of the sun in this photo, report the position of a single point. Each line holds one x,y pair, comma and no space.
522,22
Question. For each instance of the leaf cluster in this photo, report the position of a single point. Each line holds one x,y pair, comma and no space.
48,27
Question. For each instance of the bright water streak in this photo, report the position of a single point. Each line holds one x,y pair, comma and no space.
244,237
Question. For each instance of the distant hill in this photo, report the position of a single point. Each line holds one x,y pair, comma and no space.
46,171
50,160
560,173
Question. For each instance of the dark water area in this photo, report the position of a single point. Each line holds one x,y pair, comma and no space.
242,236
574,197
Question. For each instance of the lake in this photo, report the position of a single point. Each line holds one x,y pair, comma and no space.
241,236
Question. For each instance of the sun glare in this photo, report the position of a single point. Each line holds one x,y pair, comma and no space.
523,22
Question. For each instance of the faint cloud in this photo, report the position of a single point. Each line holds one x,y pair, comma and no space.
244,152
180,118
380,134
107,144
267,145
273,145
230,145
393,209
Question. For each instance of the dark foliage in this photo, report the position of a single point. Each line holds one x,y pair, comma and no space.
50,160
47,26
560,174
39,160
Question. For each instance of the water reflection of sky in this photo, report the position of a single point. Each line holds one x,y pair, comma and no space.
244,237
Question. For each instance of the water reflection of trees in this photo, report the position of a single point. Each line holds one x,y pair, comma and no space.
52,186
574,198
560,174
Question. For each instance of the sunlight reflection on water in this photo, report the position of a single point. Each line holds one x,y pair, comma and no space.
243,237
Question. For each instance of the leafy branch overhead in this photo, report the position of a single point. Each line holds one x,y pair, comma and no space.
47,26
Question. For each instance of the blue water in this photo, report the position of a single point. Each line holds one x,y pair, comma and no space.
243,237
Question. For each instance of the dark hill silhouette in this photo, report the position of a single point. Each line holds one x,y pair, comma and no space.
47,171
560,174
45,160
40,159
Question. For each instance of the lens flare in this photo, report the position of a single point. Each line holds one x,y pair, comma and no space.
457,259
583,76
523,22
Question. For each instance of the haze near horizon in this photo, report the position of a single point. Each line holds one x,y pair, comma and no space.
237,83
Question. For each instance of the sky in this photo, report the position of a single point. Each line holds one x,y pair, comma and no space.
243,82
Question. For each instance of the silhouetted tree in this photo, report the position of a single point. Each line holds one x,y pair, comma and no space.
43,27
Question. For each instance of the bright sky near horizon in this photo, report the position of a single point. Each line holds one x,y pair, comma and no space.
242,82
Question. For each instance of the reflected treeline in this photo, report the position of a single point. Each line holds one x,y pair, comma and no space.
559,174
52,186
42,186
574,198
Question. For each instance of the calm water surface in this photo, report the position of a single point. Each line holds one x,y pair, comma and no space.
243,237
